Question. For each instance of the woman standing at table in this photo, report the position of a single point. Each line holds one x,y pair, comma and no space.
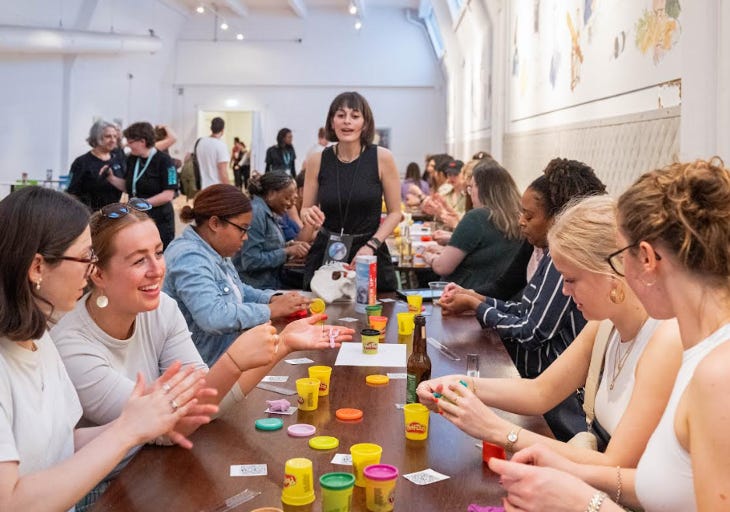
488,238
260,261
538,328
640,361
88,172
344,189
674,233
45,462
200,276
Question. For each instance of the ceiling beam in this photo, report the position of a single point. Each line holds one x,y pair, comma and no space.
237,6
299,7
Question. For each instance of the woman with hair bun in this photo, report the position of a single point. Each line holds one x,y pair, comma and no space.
539,327
216,305
674,239
260,262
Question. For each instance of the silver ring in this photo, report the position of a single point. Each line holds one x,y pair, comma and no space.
166,388
174,405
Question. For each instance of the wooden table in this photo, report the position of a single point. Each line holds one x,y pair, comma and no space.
171,478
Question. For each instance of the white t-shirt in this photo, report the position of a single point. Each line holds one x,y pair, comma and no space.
39,407
104,369
210,152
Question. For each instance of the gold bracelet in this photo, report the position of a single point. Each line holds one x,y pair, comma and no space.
234,361
618,484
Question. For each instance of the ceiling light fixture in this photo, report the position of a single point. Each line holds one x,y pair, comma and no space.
358,24
200,9
353,9
239,37
224,26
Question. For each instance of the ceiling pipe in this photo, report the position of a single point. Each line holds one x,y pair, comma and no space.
16,39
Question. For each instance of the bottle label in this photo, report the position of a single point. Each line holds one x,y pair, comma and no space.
411,385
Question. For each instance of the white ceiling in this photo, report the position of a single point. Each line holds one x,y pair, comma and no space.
300,8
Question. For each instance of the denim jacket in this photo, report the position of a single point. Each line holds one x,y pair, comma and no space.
200,280
261,259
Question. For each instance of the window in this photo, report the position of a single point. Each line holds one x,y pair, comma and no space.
455,7
434,33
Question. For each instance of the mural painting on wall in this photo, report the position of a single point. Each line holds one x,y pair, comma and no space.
568,52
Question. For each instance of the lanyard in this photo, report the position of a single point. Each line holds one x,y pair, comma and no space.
352,186
286,157
137,175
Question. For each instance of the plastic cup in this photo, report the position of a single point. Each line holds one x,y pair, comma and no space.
406,323
370,340
363,455
380,480
416,421
298,485
378,323
322,374
336,491
308,391
437,288
374,310
415,302
490,450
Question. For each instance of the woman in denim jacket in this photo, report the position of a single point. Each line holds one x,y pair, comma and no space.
260,262
216,305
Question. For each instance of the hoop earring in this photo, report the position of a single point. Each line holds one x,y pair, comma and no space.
617,295
102,301
38,284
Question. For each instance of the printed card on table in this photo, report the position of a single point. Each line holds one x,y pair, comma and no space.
347,319
249,470
343,459
275,378
386,300
397,376
291,410
301,360
425,477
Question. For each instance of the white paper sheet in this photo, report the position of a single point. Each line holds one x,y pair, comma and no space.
389,354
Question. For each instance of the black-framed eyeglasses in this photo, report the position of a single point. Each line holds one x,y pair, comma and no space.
91,261
243,229
118,210
616,259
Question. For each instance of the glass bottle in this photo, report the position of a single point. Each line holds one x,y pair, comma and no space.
419,364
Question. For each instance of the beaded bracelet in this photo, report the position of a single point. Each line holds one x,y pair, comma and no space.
596,501
618,484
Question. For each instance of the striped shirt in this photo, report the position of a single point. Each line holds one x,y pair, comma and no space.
538,328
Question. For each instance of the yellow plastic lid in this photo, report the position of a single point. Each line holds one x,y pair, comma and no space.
377,380
317,306
324,442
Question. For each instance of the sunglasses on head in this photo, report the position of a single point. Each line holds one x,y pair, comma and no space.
118,210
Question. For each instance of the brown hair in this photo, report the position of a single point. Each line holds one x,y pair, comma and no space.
141,131
104,230
35,220
498,193
218,200
685,206
355,101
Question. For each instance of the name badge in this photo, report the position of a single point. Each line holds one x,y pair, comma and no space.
338,247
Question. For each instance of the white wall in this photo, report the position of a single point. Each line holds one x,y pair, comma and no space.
291,83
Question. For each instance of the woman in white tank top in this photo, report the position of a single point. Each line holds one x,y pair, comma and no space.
675,230
641,359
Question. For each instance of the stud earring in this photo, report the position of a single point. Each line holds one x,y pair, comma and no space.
617,295
38,284
102,301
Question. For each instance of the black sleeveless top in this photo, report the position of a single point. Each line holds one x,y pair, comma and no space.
360,182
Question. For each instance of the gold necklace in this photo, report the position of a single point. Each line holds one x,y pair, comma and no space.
343,159
619,361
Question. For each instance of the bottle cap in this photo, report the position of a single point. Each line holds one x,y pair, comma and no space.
269,423
377,380
317,306
347,414
324,442
301,430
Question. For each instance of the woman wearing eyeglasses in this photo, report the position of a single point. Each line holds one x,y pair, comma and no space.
674,233
46,463
151,175
202,279
260,261
639,356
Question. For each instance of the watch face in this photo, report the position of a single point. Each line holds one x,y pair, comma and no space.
512,437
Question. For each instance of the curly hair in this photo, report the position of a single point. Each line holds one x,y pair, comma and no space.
564,180
686,207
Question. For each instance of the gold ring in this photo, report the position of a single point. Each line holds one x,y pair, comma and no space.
174,405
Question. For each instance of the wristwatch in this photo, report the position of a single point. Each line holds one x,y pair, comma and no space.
375,242
512,439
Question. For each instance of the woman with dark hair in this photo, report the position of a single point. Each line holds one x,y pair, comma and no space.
88,172
538,328
488,238
45,462
151,175
344,190
282,156
413,186
260,262
200,276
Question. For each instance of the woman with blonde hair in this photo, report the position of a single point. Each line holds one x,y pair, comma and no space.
488,237
674,251
639,356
